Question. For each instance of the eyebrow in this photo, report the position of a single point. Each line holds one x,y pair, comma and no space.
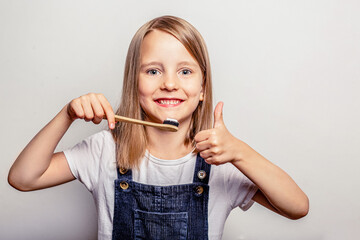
145,65
193,64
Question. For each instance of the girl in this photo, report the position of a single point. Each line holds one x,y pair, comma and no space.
148,183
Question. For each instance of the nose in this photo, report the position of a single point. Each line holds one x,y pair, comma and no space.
170,82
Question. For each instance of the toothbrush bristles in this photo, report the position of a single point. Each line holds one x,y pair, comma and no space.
170,121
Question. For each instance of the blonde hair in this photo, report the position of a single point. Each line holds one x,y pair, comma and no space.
130,139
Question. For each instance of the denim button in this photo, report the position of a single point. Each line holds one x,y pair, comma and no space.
123,170
124,185
199,190
201,174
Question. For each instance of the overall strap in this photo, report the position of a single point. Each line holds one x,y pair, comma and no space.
124,174
202,170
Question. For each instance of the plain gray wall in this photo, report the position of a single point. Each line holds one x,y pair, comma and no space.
288,72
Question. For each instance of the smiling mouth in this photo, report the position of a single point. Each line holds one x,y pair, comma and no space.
168,102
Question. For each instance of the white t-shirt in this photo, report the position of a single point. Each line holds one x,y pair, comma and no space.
93,163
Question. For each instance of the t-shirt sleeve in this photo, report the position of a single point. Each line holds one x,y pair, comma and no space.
84,159
240,189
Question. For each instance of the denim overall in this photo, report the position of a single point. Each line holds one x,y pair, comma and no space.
162,212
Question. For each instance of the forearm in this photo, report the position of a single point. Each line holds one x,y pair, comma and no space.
277,186
36,156
218,146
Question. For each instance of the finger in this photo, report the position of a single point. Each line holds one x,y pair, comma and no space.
201,146
75,109
97,109
218,116
109,112
206,154
88,111
208,160
202,135
213,161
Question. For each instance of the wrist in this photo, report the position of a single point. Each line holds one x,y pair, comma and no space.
65,113
243,152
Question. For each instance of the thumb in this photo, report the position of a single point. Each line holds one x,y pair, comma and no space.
218,116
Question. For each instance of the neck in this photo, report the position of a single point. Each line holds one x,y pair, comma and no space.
168,145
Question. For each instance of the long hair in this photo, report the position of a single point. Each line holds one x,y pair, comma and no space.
130,139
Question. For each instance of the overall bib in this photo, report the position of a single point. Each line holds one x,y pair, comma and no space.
162,212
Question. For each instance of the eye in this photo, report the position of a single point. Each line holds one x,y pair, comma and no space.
152,72
185,72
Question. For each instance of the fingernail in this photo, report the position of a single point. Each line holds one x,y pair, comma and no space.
112,125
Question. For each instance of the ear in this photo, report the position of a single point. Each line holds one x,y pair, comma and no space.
201,96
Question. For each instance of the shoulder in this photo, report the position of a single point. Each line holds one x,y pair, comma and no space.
225,171
219,177
92,146
100,139
230,181
92,159
104,135
230,175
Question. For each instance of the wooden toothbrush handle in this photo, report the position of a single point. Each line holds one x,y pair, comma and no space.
166,127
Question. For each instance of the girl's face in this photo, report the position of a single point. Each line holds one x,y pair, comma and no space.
170,79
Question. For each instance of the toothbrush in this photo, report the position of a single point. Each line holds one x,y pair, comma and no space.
168,125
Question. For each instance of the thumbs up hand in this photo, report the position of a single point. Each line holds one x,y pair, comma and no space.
217,145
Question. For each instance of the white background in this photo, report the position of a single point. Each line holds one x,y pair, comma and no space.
288,72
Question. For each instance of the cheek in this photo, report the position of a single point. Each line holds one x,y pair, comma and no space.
145,89
144,96
194,97
194,86
193,90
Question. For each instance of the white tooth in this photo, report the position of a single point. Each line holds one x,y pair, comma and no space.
170,101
